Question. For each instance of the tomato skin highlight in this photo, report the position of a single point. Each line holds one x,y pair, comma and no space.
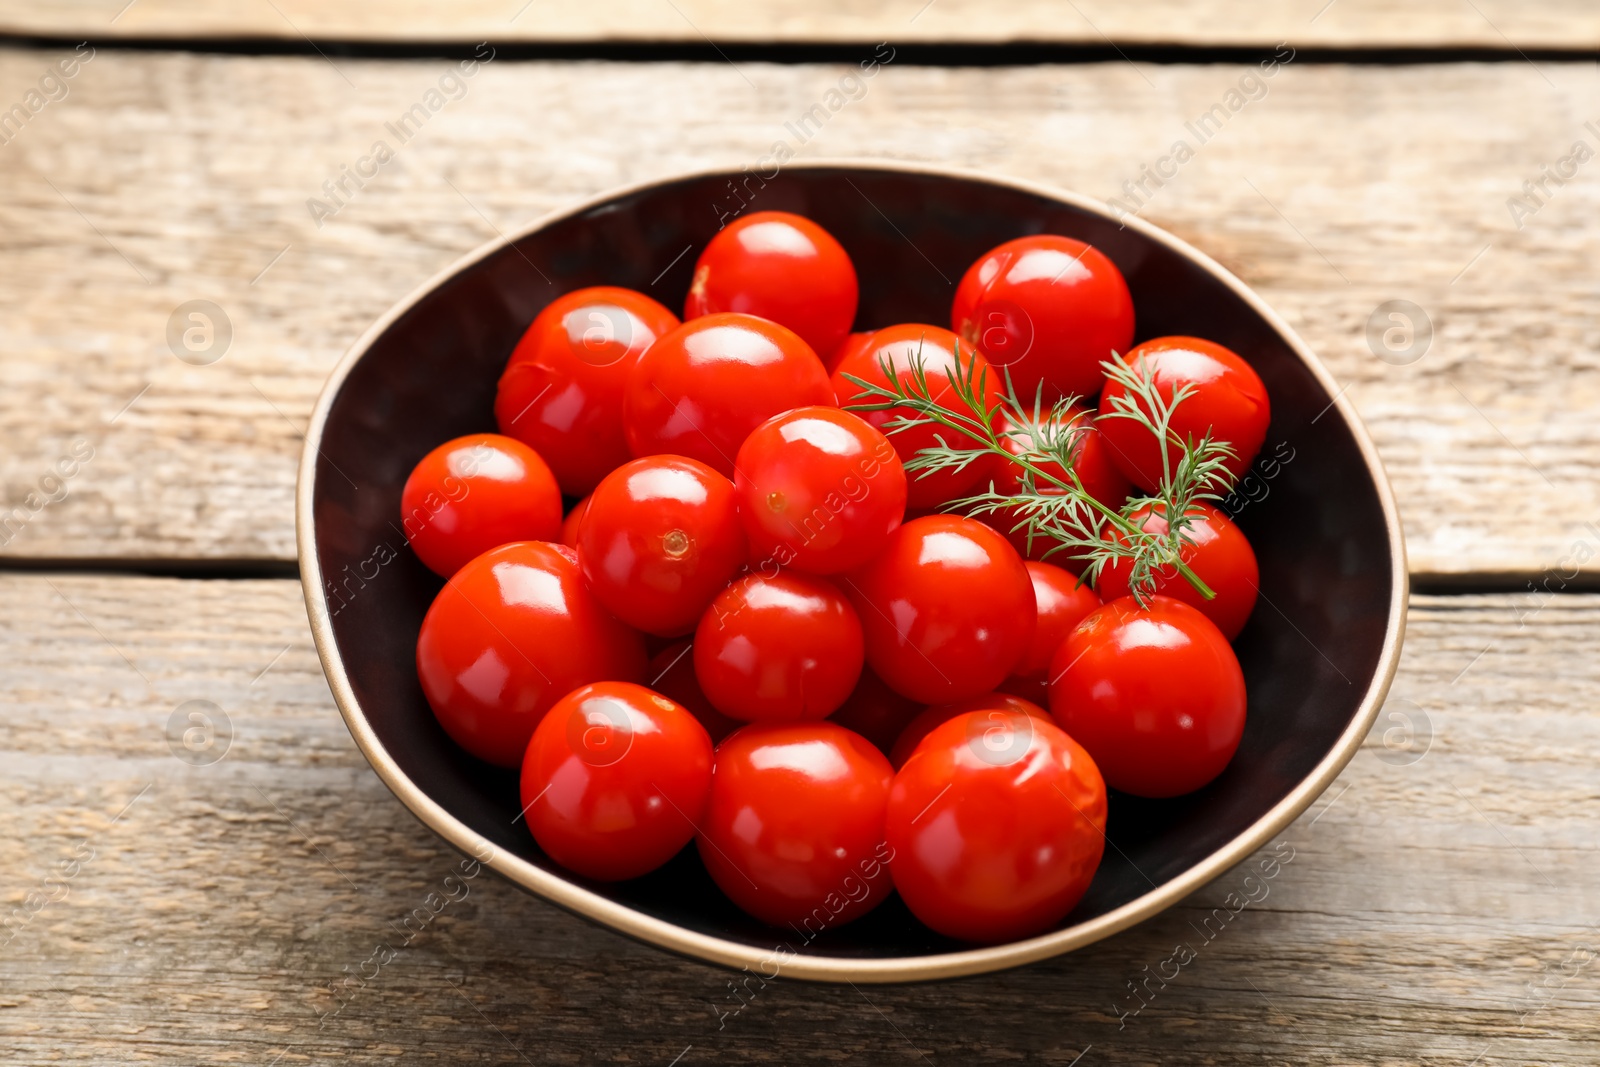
1154,694
782,267
660,539
561,392
820,490
997,825
793,833
615,779
511,633
1047,308
947,609
938,350
1229,400
931,719
780,648
701,389
475,493
1220,556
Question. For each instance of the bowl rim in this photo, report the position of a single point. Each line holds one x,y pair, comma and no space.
664,934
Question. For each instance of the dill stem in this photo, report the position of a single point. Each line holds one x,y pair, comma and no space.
979,426
1194,579
1126,525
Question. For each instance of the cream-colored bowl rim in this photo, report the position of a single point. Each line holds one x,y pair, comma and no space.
826,968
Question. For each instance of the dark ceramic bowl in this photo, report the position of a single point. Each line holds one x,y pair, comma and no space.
1318,654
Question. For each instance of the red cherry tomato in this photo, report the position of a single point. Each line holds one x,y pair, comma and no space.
820,490
1048,309
511,633
947,609
875,711
781,267
701,389
997,824
476,493
573,522
933,718
1092,466
562,390
671,673
852,343
794,831
615,780
937,349
660,539
1034,691
1155,694
1228,399
771,649
1220,556
1062,603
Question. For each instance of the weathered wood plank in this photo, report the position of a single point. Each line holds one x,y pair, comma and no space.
1440,912
1495,24
165,178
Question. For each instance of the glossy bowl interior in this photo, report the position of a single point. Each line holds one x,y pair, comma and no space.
1318,653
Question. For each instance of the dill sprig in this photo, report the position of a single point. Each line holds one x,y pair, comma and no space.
1054,507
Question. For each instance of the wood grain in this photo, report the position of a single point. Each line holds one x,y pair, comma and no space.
1494,24
164,178
1432,913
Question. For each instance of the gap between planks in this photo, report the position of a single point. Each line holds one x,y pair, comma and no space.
932,54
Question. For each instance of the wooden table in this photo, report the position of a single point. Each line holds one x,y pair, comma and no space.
1440,905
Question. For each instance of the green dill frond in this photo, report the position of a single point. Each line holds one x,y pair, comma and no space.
1052,507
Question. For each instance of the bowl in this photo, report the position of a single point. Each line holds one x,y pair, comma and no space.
1318,654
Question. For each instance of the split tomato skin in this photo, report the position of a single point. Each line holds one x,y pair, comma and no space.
997,825
659,540
778,648
938,348
615,780
562,390
793,833
475,493
1155,694
701,389
947,609
1220,556
511,633
1048,309
918,729
820,490
1229,400
782,267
